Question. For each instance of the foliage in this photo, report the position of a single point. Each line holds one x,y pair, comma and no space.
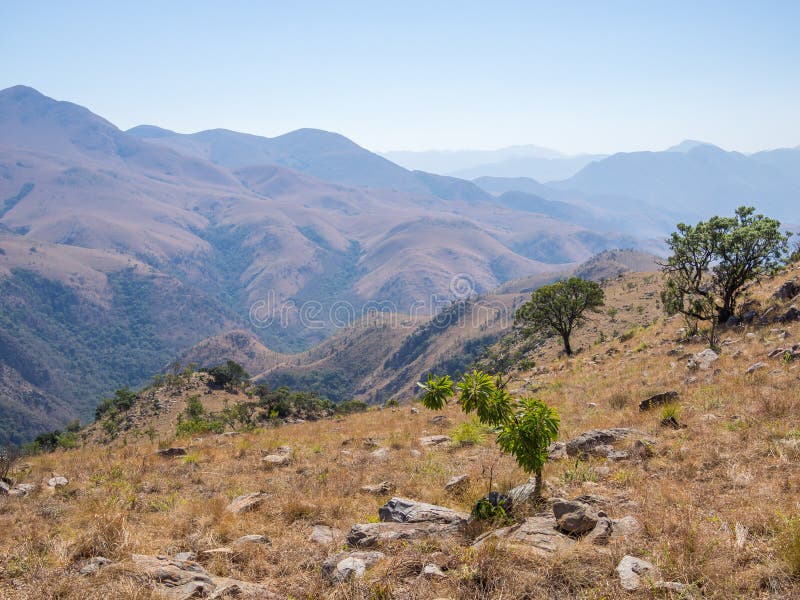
525,427
349,407
788,544
494,507
230,374
469,433
560,308
8,456
284,403
712,263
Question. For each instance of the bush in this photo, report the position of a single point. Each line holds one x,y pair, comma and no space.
231,374
469,433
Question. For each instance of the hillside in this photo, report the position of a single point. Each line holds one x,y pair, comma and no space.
133,232
708,500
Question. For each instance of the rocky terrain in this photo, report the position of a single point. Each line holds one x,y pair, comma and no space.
674,476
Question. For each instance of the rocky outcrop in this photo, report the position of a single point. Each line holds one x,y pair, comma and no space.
344,565
538,533
434,440
586,442
658,399
371,534
247,502
403,510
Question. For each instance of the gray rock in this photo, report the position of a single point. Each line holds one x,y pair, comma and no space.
538,533
247,502
380,454
93,565
324,535
753,368
4,489
370,534
253,538
344,565
432,571
440,420
403,510
788,290
434,440
625,527
457,484
171,452
658,399
631,570
703,360
57,481
414,410
588,440
556,451
384,487
575,517
276,460
415,453
185,556
522,493
601,534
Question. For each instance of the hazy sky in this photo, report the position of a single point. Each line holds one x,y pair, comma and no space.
576,76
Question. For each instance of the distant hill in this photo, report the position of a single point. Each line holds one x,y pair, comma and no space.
541,169
450,161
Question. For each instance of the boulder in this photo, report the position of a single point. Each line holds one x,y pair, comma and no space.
324,535
556,451
702,360
632,570
457,484
344,565
171,452
574,517
4,488
658,399
247,502
253,538
57,481
588,440
182,580
370,534
403,510
93,565
788,290
380,454
22,489
434,440
384,487
793,314
432,571
272,461
755,367
538,533
523,493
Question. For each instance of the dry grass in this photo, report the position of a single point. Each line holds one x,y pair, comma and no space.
718,500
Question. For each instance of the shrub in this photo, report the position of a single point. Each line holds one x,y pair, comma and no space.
469,433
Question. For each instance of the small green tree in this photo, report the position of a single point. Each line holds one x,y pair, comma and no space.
231,374
559,308
525,427
712,263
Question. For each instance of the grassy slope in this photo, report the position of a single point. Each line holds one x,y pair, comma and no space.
737,468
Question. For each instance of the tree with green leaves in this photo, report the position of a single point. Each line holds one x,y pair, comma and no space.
712,263
525,427
230,375
559,308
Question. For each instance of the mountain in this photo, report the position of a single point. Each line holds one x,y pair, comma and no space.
541,169
687,145
328,156
698,182
120,251
449,161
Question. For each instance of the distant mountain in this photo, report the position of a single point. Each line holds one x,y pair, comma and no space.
328,156
698,182
541,169
450,161
687,145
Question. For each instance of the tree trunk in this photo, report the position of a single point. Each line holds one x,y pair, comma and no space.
567,347
537,488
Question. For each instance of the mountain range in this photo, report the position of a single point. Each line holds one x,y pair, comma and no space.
120,251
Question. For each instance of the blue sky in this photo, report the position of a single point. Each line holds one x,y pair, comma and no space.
575,76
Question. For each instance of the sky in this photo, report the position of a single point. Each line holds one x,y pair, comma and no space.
594,76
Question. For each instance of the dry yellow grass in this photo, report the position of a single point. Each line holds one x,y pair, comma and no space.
736,470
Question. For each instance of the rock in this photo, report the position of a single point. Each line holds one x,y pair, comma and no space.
457,484
787,291
380,454
440,420
403,510
523,493
631,570
574,517
340,567
171,452
591,405
793,314
414,410
434,440
755,367
253,538
538,533
222,550
585,442
777,352
673,586
4,489
276,460
183,580
185,556
370,534
601,534
556,451
618,455
415,453
57,481
432,571
93,565
662,398
625,527
247,502
703,360
384,487
324,535
22,489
